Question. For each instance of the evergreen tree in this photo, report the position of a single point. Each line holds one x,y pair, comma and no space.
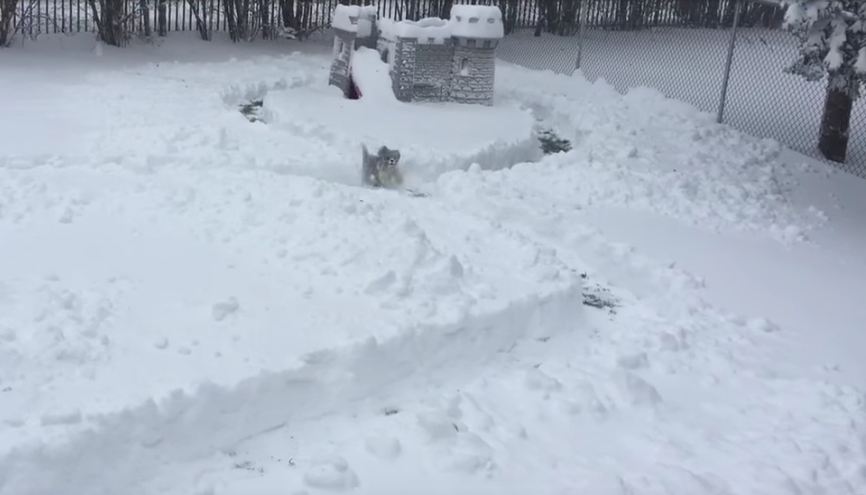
832,44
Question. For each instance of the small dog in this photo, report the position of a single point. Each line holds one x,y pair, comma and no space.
381,169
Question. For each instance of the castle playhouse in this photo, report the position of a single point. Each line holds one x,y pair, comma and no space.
429,60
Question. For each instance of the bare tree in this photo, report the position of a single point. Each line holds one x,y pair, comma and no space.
161,17
247,19
110,21
199,10
145,14
15,21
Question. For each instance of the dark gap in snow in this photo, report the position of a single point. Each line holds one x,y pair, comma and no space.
353,93
552,143
599,297
252,110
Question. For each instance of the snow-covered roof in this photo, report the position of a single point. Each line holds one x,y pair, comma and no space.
476,21
346,18
427,30
467,21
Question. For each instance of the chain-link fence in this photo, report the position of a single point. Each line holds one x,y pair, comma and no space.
690,64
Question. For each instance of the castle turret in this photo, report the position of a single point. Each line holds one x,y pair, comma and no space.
476,30
420,58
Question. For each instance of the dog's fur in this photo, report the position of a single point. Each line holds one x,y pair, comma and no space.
381,169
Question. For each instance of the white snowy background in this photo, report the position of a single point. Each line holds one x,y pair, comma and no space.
193,303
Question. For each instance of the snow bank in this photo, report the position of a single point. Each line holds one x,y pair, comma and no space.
476,21
213,420
644,151
371,77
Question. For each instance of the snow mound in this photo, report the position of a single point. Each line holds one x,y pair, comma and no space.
644,151
371,77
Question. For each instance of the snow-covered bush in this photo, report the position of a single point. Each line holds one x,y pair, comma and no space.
832,44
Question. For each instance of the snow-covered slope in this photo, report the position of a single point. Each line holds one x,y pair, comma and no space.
194,303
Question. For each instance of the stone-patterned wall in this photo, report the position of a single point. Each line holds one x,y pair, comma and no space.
403,70
433,71
474,83
340,65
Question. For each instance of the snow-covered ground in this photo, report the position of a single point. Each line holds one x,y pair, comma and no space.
193,303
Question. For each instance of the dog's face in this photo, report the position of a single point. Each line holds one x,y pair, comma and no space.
389,158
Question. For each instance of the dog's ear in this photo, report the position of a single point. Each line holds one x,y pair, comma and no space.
397,154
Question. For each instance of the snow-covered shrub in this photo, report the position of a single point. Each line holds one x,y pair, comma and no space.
832,44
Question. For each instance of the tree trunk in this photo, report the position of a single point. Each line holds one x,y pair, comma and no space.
445,11
712,16
835,123
145,14
265,19
161,21
7,12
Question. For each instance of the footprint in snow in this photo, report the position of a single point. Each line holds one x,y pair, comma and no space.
386,448
332,473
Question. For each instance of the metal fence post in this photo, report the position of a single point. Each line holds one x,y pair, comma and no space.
727,77
580,27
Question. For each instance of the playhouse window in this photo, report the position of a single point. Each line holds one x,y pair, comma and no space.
487,43
473,20
490,20
470,43
459,19
464,67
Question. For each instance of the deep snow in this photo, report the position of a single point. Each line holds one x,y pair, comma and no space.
688,64
193,303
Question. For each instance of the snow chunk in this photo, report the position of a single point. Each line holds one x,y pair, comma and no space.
346,18
67,418
476,21
366,18
860,64
221,310
430,30
387,448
